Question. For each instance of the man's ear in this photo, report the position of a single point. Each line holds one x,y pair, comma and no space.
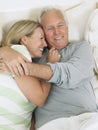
23,40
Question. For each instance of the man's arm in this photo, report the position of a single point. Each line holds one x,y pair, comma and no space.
14,60
17,64
42,71
76,69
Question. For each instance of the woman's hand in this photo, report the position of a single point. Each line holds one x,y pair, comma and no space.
53,55
3,67
15,61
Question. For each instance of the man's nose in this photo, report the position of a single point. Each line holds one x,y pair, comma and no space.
56,30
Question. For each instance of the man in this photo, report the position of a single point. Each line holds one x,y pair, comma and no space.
72,93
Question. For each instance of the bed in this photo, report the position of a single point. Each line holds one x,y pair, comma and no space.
82,20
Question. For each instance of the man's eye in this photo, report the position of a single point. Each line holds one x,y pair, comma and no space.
49,29
60,25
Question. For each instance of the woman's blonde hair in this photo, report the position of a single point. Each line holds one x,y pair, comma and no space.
19,29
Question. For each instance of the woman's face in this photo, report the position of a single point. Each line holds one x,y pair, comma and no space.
35,43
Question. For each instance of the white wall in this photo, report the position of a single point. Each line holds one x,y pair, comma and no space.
13,5
17,9
13,10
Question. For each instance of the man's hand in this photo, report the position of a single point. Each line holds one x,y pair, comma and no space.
3,67
15,61
53,55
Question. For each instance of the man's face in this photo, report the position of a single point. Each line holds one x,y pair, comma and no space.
55,29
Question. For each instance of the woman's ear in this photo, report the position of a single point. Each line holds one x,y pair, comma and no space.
24,40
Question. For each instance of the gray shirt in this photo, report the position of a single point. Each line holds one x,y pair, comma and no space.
71,92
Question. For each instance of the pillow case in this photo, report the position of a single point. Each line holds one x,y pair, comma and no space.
77,19
91,35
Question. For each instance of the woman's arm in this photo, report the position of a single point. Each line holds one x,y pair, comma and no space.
35,90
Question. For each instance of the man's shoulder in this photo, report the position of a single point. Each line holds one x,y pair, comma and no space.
79,44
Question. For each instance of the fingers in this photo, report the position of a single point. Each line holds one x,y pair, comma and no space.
3,67
54,52
19,67
15,61
53,55
16,69
1,60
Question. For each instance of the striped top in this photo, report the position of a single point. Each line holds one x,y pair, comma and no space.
15,109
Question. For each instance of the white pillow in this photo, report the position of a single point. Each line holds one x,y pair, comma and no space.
77,19
91,35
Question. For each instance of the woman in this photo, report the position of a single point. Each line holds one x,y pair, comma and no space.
19,96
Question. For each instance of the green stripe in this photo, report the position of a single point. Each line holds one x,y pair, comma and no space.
7,74
16,97
6,128
16,119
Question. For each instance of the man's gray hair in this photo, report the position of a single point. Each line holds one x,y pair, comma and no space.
51,8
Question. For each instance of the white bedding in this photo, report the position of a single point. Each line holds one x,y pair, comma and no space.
86,121
77,18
